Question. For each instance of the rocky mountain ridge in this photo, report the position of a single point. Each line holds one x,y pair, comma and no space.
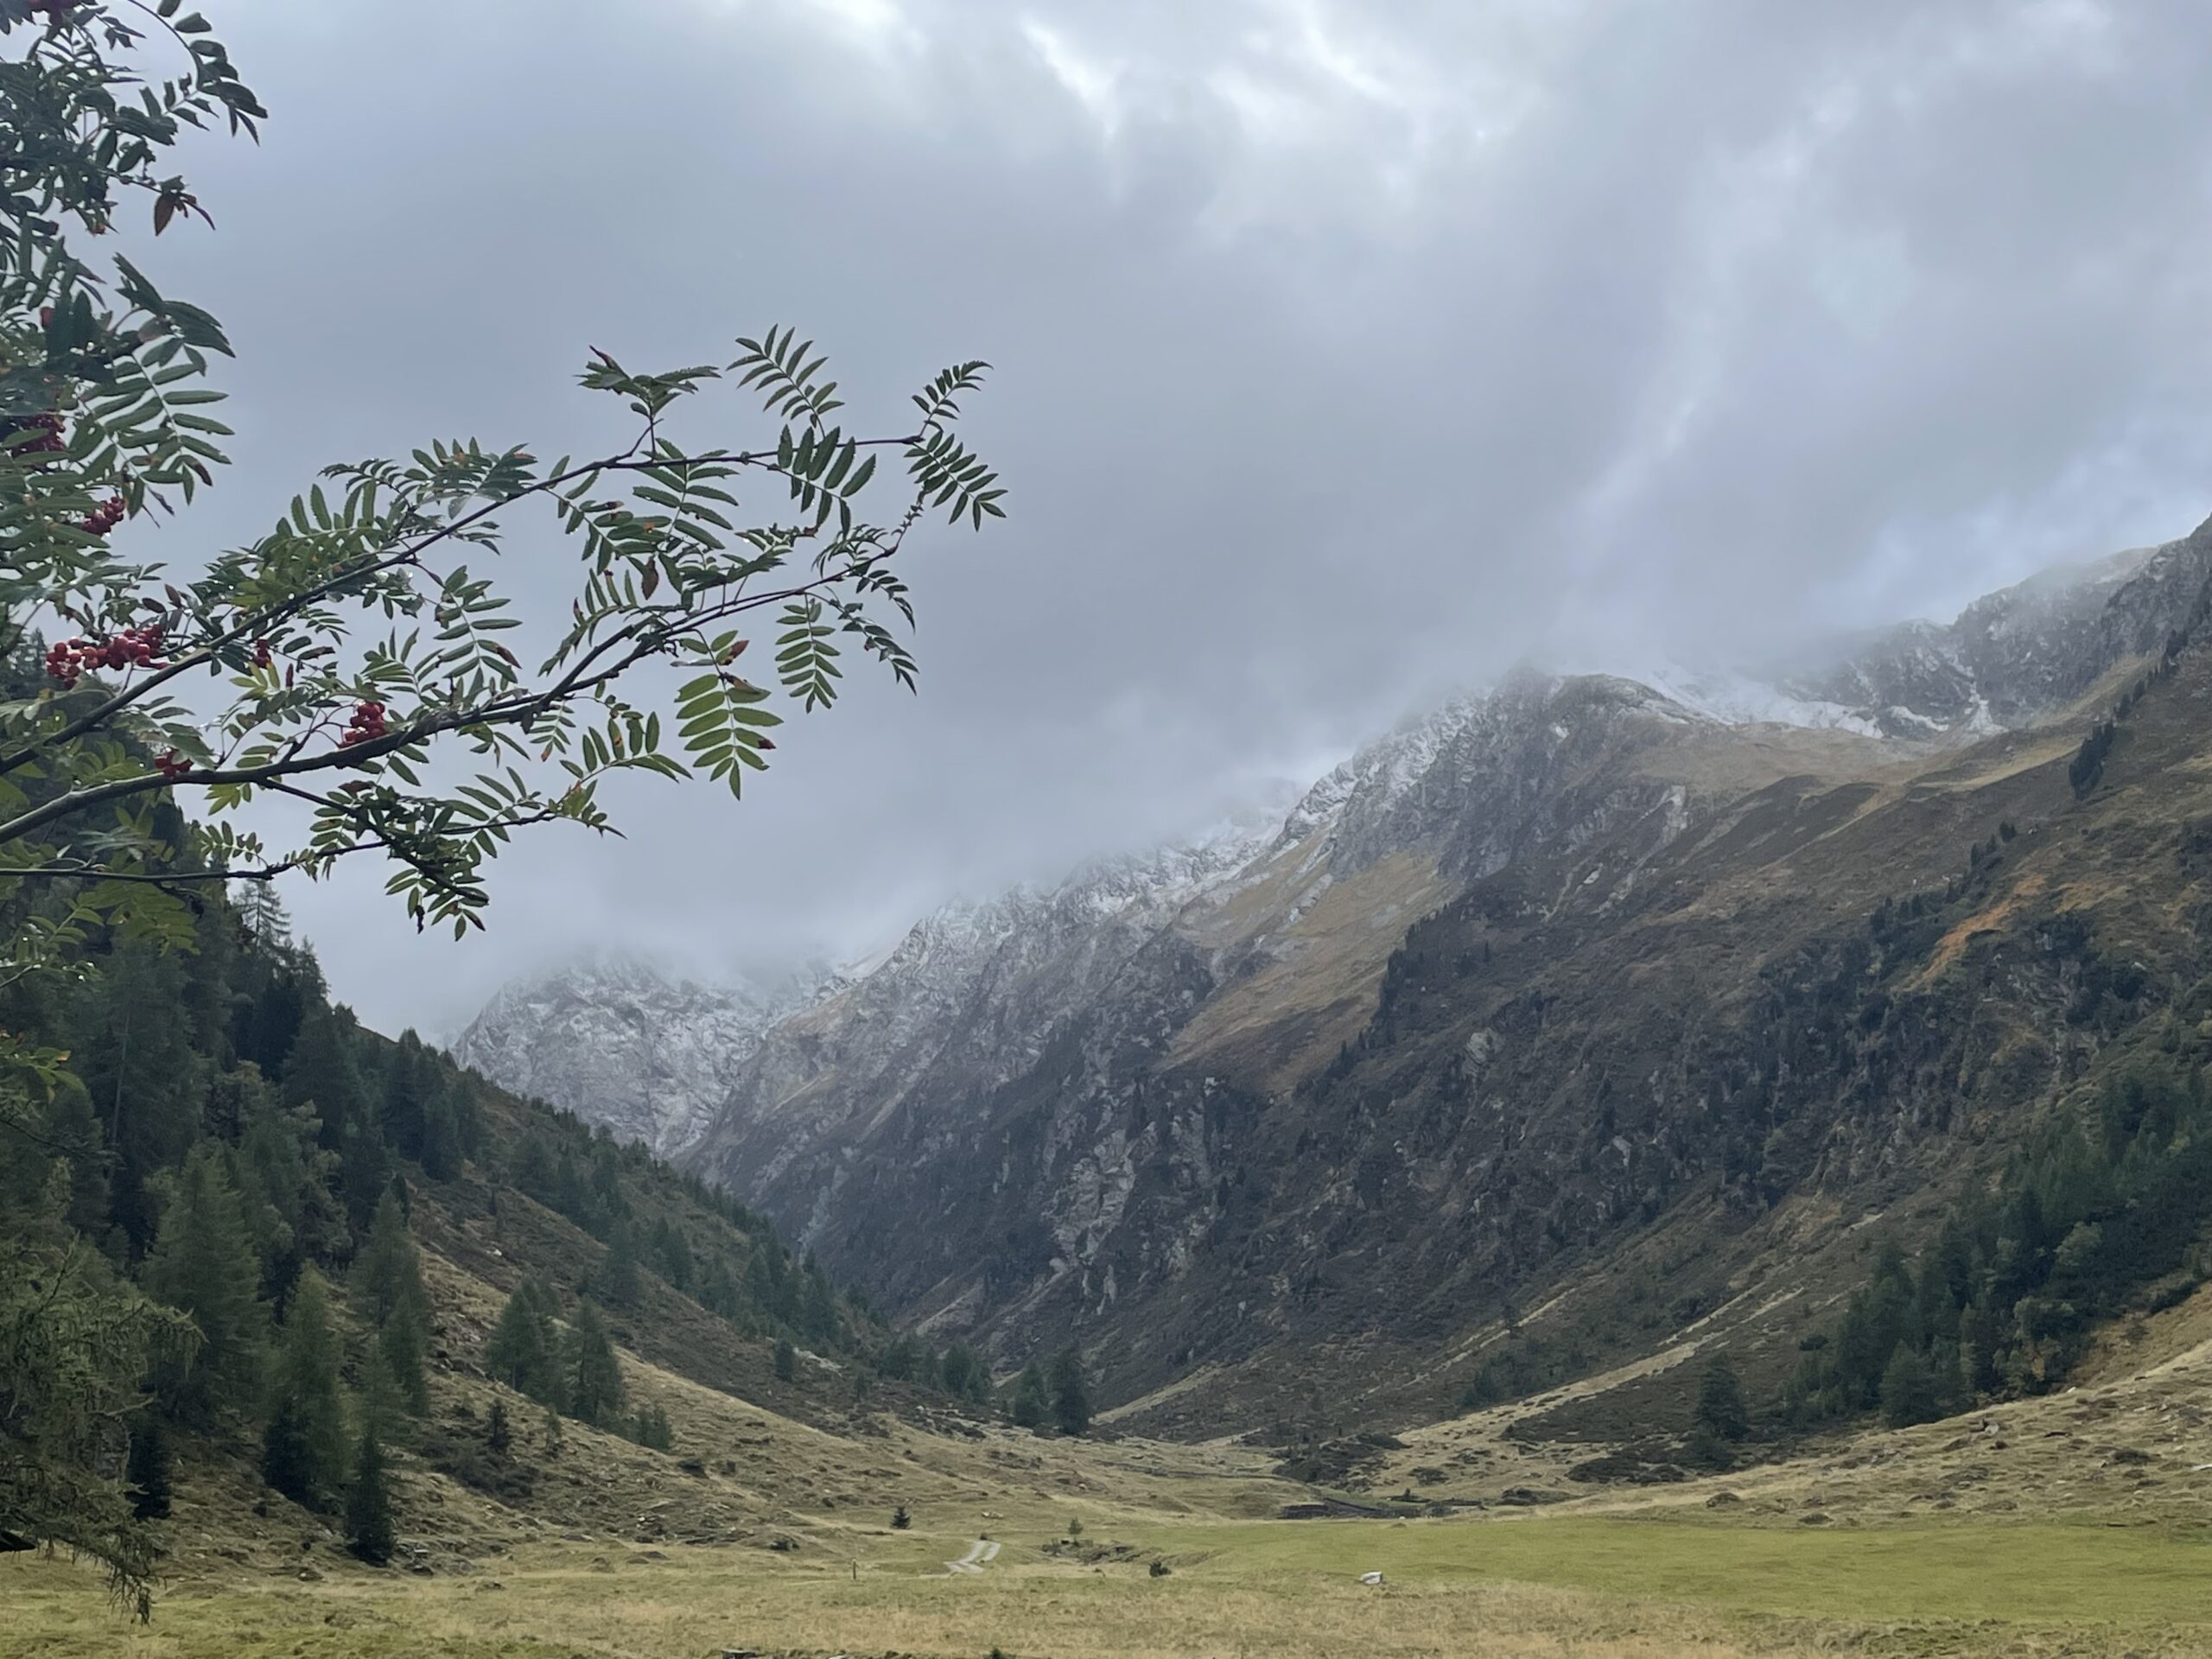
1140,1108
625,1043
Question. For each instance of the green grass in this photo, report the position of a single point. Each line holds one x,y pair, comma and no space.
1540,1587
2029,1573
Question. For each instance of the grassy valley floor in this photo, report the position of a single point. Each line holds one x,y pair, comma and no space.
2076,1524
1593,1587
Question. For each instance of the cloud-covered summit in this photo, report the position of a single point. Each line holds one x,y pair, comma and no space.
1345,352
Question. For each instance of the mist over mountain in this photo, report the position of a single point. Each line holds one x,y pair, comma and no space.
1142,1108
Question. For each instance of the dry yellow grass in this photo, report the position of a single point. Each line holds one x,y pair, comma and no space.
1317,987
1244,1590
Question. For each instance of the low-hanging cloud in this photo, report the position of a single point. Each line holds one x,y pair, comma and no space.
1345,352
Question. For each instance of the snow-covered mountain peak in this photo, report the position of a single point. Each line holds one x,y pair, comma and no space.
624,1041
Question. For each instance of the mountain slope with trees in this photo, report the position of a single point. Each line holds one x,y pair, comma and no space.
276,1181
1539,1031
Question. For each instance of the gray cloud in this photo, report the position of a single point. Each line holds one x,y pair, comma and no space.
1345,352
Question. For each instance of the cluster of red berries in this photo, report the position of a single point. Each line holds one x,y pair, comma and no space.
49,425
171,765
367,725
104,518
261,653
70,659
57,11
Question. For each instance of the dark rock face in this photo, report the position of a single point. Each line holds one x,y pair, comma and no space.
992,1132
1548,973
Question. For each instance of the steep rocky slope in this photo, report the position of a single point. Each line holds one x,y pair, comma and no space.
624,1043
1533,1003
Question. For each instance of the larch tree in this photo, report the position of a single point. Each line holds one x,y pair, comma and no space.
523,1351
595,1375
369,1532
389,1275
204,1264
1070,1393
303,1448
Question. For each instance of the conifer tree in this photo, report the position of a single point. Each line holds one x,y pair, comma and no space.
303,1449
672,1254
411,1086
1031,1401
369,1530
284,1178
385,1393
965,1375
525,1350
147,1470
322,1071
531,1167
77,1342
899,1358
1070,1393
818,1312
390,1275
138,1068
1909,1391
619,1280
283,981
1721,1409
497,1435
785,1360
719,1293
594,1374
205,1264
444,1145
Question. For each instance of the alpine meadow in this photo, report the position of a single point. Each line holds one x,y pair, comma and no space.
1439,1029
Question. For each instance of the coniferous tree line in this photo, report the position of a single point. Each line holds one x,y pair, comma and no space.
223,1172
1054,1396
2103,1207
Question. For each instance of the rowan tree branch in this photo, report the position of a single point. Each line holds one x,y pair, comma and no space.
260,622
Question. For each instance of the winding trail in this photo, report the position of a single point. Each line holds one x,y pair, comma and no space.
980,1553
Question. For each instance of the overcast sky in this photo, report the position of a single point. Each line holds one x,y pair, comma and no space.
1345,354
